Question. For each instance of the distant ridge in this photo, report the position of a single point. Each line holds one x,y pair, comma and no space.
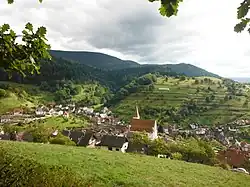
241,79
95,59
111,63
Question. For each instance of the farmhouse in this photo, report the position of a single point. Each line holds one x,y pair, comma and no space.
114,142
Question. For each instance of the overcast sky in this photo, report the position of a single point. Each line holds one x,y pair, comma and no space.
202,33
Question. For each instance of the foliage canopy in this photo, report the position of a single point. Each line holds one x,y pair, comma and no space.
170,7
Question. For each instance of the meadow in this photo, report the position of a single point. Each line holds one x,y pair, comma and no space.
50,165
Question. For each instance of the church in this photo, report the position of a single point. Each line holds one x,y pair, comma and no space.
139,125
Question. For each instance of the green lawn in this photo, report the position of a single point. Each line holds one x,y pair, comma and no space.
103,168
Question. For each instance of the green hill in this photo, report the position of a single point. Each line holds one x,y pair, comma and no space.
21,95
203,100
28,95
107,62
190,70
55,165
93,59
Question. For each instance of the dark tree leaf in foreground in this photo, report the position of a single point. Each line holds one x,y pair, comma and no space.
170,7
23,57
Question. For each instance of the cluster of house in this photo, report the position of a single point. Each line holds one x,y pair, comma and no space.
224,134
112,134
109,136
241,122
18,115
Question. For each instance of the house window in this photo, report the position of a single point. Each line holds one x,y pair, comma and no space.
110,148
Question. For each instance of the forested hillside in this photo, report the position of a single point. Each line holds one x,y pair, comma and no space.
93,59
107,62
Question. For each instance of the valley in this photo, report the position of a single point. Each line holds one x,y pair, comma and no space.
131,93
192,116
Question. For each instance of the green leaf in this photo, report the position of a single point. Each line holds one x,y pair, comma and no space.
41,31
242,10
241,25
5,27
162,11
10,1
29,27
12,33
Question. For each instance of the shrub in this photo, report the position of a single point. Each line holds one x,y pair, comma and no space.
182,78
2,93
176,156
62,140
40,135
23,94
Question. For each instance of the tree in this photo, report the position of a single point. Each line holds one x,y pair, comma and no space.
169,8
182,78
22,58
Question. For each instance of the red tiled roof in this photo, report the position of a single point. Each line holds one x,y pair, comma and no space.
233,157
142,125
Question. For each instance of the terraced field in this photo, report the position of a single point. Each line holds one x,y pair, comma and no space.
216,104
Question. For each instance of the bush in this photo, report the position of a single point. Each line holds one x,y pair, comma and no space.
176,156
40,135
62,140
2,93
182,78
23,94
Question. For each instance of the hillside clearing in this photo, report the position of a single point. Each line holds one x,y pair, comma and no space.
104,168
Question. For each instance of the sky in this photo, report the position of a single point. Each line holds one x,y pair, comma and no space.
202,34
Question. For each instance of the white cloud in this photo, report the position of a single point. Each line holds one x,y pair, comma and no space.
202,33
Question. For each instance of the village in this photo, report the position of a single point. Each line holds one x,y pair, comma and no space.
108,132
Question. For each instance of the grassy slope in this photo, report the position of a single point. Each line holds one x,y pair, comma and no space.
178,93
32,97
35,96
103,168
60,123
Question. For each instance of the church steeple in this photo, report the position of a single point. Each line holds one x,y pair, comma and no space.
137,115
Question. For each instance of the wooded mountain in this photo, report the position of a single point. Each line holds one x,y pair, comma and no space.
99,60
107,62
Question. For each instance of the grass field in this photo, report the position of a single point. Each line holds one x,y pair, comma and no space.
23,95
174,93
103,168
60,123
